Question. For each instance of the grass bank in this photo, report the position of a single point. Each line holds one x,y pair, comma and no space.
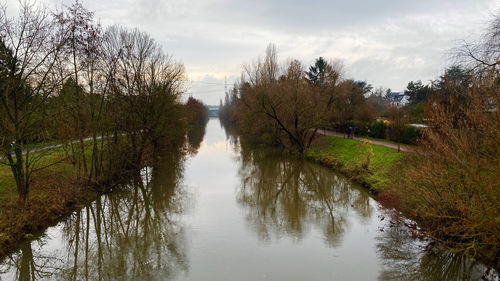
372,166
390,175
53,194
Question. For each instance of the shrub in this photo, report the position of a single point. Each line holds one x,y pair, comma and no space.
378,129
411,134
453,189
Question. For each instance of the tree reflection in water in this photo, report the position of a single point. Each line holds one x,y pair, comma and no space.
405,258
283,195
131,234
195,136
28,265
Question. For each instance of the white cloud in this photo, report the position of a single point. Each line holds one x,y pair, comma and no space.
386,42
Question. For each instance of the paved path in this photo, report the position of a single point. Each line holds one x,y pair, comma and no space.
37,149
375,142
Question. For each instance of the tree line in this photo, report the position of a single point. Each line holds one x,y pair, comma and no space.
284,104
110,95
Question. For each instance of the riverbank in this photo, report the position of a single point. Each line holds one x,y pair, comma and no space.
373,166
53,194
384,174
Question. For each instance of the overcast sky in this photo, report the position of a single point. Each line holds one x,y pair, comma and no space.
385,42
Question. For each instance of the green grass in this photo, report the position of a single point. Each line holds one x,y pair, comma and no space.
348,156
7,183
57,156
50,156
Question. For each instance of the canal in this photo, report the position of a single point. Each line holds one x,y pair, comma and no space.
228,213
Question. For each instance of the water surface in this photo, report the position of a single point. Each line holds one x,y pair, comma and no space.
228,213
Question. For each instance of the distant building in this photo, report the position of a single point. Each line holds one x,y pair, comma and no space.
397,98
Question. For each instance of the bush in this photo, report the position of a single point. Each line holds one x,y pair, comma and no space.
453,189
378,130
381,130
411,135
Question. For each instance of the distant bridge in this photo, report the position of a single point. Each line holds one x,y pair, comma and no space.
213,110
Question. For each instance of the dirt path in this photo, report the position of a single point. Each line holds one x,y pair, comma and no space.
403,148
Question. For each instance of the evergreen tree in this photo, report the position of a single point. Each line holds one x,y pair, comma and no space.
316,73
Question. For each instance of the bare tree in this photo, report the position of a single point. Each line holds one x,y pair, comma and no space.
453,188
281,105
146,85
82,68
484,54
30,48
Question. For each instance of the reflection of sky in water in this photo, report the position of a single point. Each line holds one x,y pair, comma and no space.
235,216
214,132
213,148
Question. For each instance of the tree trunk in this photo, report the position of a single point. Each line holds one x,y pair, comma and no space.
16,166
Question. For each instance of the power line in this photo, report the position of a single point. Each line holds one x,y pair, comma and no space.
202,82
210,90
206,93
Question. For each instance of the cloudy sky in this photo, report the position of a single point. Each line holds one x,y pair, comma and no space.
385,42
